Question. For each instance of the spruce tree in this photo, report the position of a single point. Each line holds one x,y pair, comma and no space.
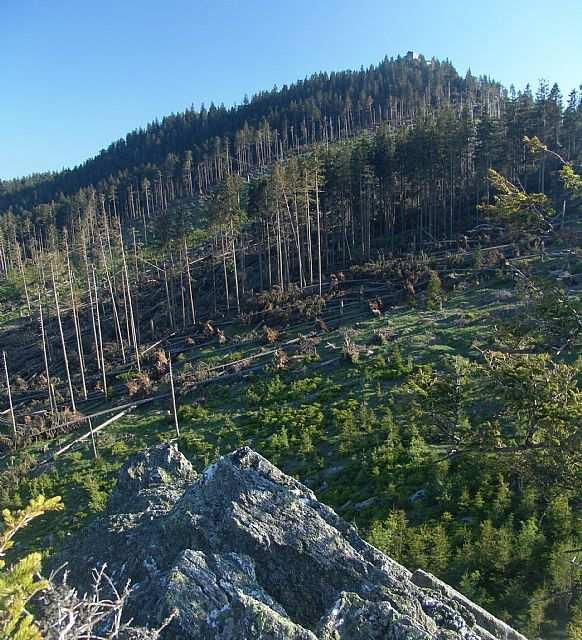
19,581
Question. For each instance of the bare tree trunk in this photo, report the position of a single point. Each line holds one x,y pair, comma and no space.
302,281
113,301
93,321
182,299
93,444
235,268
77,326
279,247
130,303
318,229
10,400
100,345
168,299
66,358
192,308
53,406
21,266
173,396
269,256
225,271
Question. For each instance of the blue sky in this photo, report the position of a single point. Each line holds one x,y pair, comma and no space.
77,74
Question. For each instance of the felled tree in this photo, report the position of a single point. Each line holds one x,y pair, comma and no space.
19,582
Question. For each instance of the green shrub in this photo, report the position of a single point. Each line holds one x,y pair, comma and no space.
192,412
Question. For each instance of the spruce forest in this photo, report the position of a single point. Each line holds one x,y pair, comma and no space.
372,277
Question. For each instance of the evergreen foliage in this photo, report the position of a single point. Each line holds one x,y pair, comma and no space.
19,581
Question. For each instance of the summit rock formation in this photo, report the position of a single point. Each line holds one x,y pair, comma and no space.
245,552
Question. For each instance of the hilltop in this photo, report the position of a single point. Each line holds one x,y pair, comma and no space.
196,147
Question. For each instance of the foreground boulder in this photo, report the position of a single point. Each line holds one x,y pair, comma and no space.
245,552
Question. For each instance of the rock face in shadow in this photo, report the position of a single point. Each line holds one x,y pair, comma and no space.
245,552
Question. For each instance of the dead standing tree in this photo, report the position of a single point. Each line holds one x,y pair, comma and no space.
65,356
9,392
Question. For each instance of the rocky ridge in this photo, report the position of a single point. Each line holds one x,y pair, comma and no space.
245,552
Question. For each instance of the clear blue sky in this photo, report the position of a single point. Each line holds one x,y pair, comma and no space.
77,74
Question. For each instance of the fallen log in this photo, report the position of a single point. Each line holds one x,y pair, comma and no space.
89,433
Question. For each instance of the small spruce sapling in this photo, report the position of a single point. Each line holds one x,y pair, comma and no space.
434,292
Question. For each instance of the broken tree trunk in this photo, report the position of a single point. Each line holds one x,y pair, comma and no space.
10,400
173,396
90,433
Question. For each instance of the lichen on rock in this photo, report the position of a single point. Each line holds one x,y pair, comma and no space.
244,552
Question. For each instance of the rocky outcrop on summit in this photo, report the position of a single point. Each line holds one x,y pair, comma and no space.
244,552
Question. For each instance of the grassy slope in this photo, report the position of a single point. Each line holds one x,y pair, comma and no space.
305,398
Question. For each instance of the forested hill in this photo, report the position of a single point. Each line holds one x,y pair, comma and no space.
436,135
324,107
373,278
